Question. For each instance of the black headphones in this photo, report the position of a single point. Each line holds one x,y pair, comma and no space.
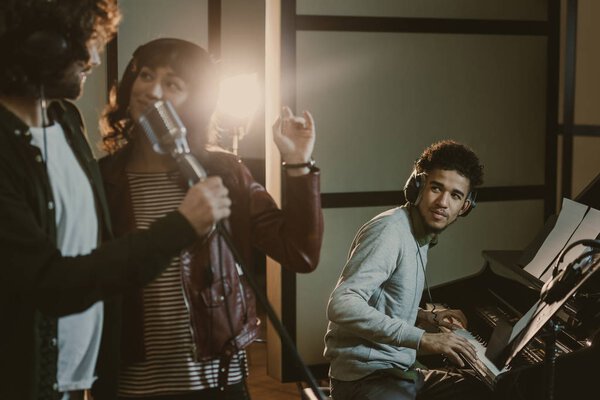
34,43
559,285
42,53
413,189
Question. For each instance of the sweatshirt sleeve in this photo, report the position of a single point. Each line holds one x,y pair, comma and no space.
376,253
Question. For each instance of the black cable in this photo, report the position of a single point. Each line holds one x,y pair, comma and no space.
432,311
43,110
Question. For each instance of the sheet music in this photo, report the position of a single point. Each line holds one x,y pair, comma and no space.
523,322
571,214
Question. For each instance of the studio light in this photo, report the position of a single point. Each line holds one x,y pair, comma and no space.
239,97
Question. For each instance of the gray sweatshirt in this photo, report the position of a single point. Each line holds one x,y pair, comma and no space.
373,309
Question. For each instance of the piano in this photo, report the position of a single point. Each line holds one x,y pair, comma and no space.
502,290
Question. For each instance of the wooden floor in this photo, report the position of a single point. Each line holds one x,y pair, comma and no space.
261,385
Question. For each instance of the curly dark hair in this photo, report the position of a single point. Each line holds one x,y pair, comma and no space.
73,22
454,156
188,60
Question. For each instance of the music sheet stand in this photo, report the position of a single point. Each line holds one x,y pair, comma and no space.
538,317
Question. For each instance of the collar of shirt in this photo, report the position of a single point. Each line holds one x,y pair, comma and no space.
419,230
14,124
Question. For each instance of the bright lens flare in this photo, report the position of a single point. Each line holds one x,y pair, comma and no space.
239,96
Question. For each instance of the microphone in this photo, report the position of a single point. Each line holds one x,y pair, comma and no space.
166,132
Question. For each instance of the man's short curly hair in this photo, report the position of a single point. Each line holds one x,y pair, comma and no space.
77,21
452,156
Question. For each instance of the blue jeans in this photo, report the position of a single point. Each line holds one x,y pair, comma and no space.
451,384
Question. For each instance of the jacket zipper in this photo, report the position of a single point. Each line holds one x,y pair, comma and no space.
189,311
237,268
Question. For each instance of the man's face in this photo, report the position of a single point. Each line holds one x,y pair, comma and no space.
70,85
443,199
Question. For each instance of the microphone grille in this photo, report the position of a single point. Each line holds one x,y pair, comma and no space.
163,126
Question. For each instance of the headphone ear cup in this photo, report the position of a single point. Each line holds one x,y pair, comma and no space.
43,52
470,203
410,190
419,183
413,187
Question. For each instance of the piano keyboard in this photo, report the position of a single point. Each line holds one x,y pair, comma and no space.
485,368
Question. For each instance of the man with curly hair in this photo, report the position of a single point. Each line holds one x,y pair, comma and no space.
373,334
58,288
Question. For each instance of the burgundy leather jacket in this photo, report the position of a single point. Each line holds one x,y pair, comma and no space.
221,305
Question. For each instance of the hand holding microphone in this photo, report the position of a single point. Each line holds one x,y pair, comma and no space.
207,201
205,204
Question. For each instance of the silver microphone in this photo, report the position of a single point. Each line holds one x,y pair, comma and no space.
166,132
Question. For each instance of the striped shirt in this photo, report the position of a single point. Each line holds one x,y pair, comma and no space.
169,367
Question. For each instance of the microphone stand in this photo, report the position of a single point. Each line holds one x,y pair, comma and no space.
190,167
550,355
167,133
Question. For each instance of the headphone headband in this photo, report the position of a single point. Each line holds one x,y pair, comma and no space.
413,189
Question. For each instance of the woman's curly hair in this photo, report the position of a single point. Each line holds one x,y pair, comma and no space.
76,21
188,60
452,156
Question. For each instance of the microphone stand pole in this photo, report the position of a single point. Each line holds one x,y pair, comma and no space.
281,331
190,167
550,356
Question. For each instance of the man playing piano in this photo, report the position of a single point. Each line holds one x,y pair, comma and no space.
373,335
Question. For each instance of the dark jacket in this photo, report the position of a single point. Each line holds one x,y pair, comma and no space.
38,284
222,306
